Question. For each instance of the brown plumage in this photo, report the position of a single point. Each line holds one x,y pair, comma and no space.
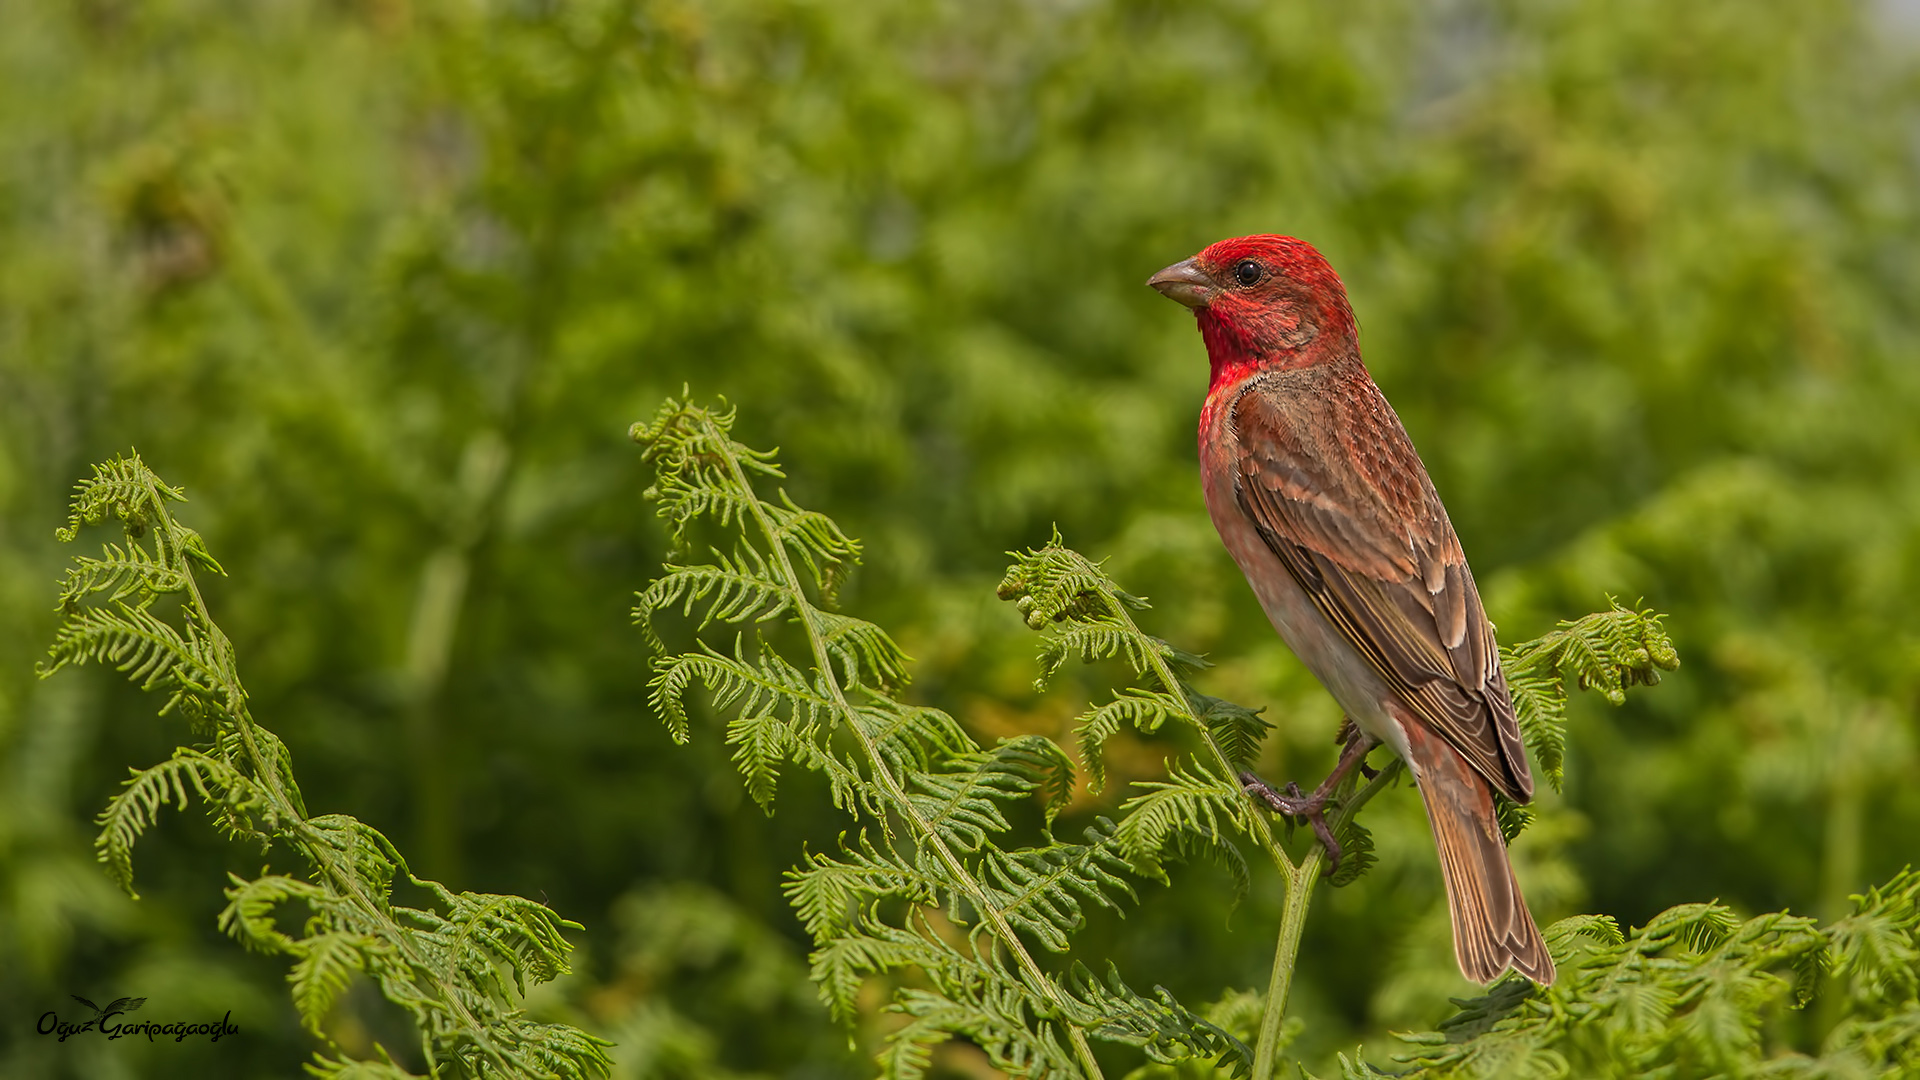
1319,496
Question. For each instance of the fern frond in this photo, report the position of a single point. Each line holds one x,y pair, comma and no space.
822,547
762,741
735,589
1041,891
829,893
249,915
137,806
1188,807
1877,947
1237,730
960,803
872,947
736,683
1356,852
1609,651
122,572
858,644
1143,710
995,1022
360,851
135,641
1099,641
933,853
1160,1025
1513,817
1692,986
912,738
326,967
121,487
459,970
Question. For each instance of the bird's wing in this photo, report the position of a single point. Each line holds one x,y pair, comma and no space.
1333,485
85,1002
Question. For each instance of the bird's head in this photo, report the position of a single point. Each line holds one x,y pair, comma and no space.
1262,301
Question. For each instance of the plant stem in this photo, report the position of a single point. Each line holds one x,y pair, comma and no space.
1286,950
1293,920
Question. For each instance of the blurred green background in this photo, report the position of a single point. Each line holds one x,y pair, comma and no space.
383,282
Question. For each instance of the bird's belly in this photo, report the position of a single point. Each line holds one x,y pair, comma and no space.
1339,666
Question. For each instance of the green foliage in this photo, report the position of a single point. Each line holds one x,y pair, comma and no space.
1606,651
1699,991
929,885
459,966
1082,612
388,278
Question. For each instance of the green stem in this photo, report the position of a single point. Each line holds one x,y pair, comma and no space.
1293,921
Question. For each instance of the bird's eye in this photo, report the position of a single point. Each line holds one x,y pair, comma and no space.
1248,272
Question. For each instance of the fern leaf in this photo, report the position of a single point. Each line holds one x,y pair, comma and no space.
762,741
1356,852
1237,730
135,641
248,917
1608,651
326,967
1143,710
137,806
121,572
858,644
731,590
1042,891
828,893
1190,808
1160,1026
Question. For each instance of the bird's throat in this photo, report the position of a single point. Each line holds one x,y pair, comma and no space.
1235,353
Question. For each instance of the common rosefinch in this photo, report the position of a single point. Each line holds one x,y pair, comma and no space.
1320,498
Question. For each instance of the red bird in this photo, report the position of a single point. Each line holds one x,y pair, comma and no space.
1321,499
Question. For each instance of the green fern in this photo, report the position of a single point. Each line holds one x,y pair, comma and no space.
1201,807
459,966
1697,991
929,883
1609,651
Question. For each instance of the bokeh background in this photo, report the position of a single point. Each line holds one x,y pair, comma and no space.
383,282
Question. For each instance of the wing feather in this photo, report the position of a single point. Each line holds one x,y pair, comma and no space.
1334,487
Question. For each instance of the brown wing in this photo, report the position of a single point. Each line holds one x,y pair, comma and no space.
1330,480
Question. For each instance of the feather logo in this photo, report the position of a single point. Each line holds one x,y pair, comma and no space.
118,1005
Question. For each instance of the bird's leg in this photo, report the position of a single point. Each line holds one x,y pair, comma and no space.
1314,807
1349,731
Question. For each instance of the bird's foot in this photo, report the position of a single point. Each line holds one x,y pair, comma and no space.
1313,808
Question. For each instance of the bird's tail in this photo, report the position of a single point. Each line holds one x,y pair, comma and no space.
1492,929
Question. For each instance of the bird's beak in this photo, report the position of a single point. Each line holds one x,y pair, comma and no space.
1185,283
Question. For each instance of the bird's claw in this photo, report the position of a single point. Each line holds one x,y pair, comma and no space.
1313,808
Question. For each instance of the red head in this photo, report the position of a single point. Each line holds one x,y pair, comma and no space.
1262,301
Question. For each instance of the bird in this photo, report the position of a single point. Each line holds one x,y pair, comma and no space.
1322,501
